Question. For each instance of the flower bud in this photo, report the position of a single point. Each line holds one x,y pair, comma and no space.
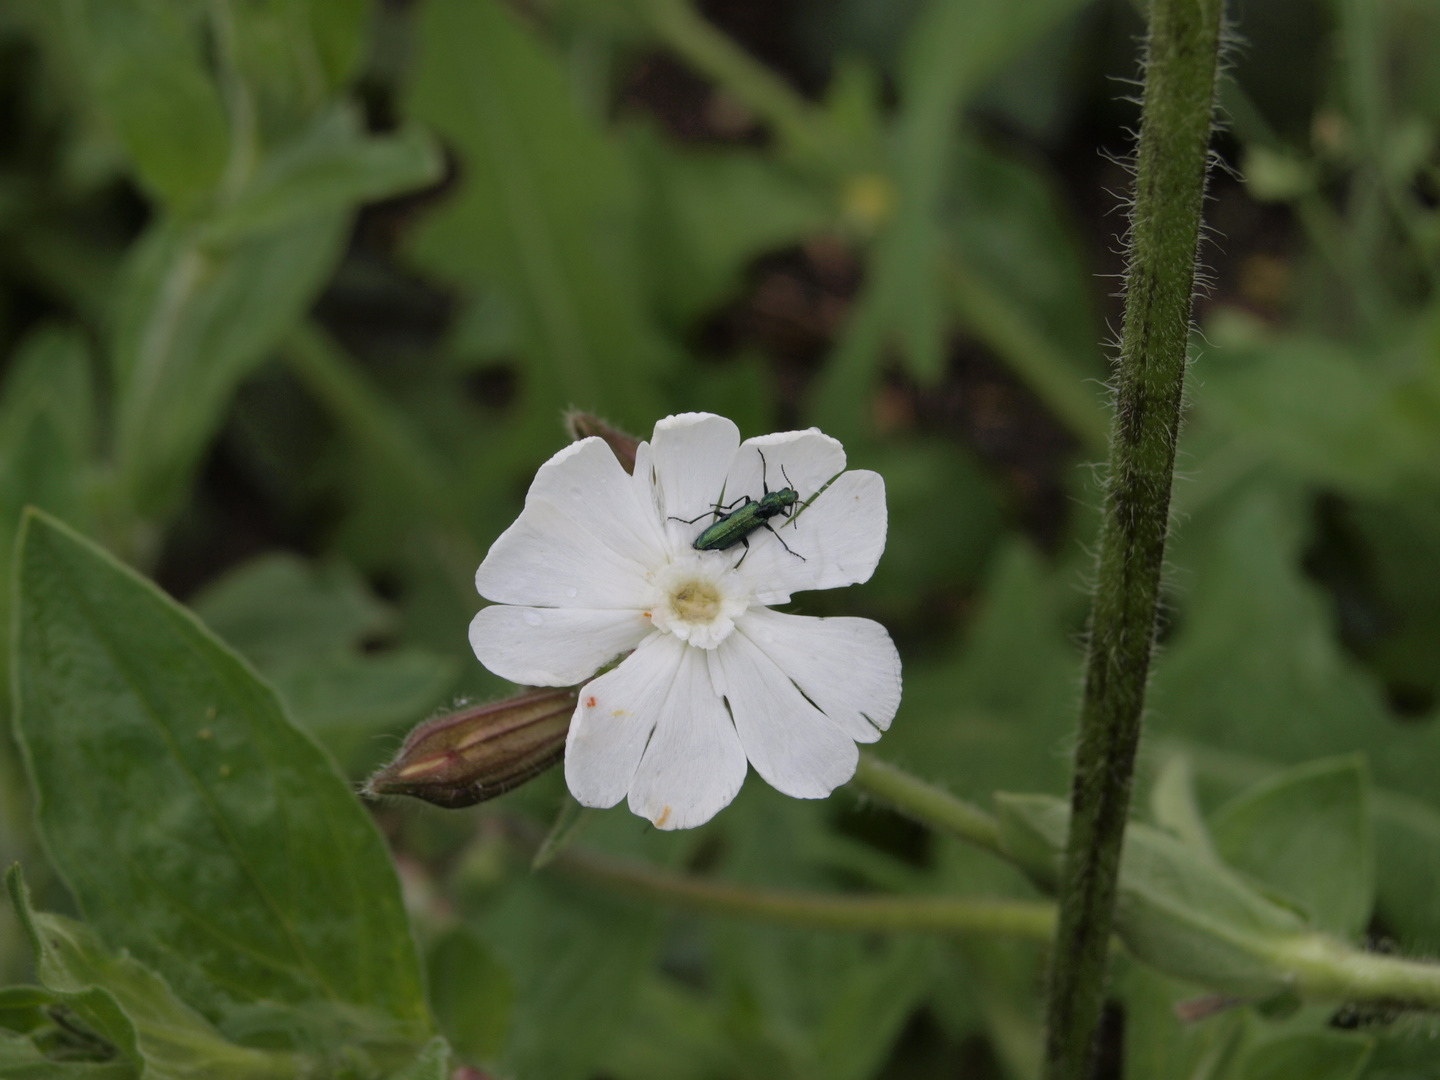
480,752
582,425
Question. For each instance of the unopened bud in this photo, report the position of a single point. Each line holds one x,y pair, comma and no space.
582,425
481,752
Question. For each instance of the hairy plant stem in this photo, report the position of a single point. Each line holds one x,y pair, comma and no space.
1182,57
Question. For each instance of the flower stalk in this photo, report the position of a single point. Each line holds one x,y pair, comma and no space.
1182,58
1026,919
927,804
1326,969
1320,968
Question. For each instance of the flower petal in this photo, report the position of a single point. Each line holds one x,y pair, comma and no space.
836,541
694,765
797,749
552,646
848,667
691,455
805,460
584,540
613,722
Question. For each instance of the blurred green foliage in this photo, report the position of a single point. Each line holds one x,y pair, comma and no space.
292,296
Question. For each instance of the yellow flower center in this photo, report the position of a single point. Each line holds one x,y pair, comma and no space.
699,597
695,601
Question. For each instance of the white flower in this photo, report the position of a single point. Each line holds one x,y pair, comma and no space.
598,565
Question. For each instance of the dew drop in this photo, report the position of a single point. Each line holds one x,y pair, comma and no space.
533,618
572,591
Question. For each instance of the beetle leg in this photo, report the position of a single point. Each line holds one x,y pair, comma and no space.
746,542
782,544
715,512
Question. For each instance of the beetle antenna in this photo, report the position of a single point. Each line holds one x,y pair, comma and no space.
764,482
787,476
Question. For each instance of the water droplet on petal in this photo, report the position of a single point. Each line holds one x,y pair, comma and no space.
533,618
572,591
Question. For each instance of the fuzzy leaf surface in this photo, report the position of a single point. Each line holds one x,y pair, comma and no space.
195,825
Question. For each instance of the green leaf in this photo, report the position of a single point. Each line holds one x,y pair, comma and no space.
1022,290
1362,422
1306,833
279,605
987,986
805,1003
1159,1045
1012,228
1174,805
575,957
546,211
946,522
47,433
149,78
710,215
340,30
50,374
304,628
952,48
1406,845
47,437
22,1007
191,323
1255,672
292,55
331,166
21,1059
675,1033
976,717
1406,1051
347,700
1407,850
131,1007
1317,1055
1177,909
1254,668
472,992
1401,546
870,1001
194,824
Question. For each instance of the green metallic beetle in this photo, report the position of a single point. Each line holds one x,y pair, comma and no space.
736,526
